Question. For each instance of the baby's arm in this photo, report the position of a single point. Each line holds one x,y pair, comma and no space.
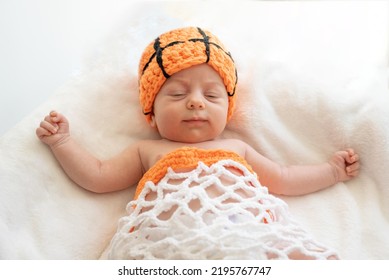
304,179
82,167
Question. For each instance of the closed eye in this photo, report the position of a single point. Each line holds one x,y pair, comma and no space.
212,95
177,95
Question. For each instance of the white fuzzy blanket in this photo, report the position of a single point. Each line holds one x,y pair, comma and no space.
303,94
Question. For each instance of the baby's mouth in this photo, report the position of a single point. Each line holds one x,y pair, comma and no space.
195,121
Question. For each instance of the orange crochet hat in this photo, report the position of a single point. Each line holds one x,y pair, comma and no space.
177,50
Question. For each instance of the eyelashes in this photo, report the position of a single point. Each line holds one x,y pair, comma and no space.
177,95
210,95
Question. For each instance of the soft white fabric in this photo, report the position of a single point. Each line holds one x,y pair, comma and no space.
305,91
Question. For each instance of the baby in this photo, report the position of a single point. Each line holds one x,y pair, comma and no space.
192,182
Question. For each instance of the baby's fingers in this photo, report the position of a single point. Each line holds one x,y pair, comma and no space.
352,156
49,126
54,117
57,117
353,169
42,132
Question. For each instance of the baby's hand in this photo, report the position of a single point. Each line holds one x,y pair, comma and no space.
345,164
54,129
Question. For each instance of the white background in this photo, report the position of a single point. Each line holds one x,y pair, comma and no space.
43,43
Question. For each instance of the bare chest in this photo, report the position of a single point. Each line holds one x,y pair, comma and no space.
153,151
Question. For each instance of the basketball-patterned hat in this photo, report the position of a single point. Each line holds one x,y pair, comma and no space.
180,49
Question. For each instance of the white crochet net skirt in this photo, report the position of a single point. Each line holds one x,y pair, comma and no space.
216,212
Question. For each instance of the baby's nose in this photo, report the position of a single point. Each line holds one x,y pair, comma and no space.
195,101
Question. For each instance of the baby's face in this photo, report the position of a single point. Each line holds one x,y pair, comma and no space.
191,106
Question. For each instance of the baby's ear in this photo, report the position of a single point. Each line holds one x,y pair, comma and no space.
152,121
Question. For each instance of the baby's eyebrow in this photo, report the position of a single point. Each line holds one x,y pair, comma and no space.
185,82
214,83
177,80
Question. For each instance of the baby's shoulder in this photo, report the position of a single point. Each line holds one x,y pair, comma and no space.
235,145
149,145
233,142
